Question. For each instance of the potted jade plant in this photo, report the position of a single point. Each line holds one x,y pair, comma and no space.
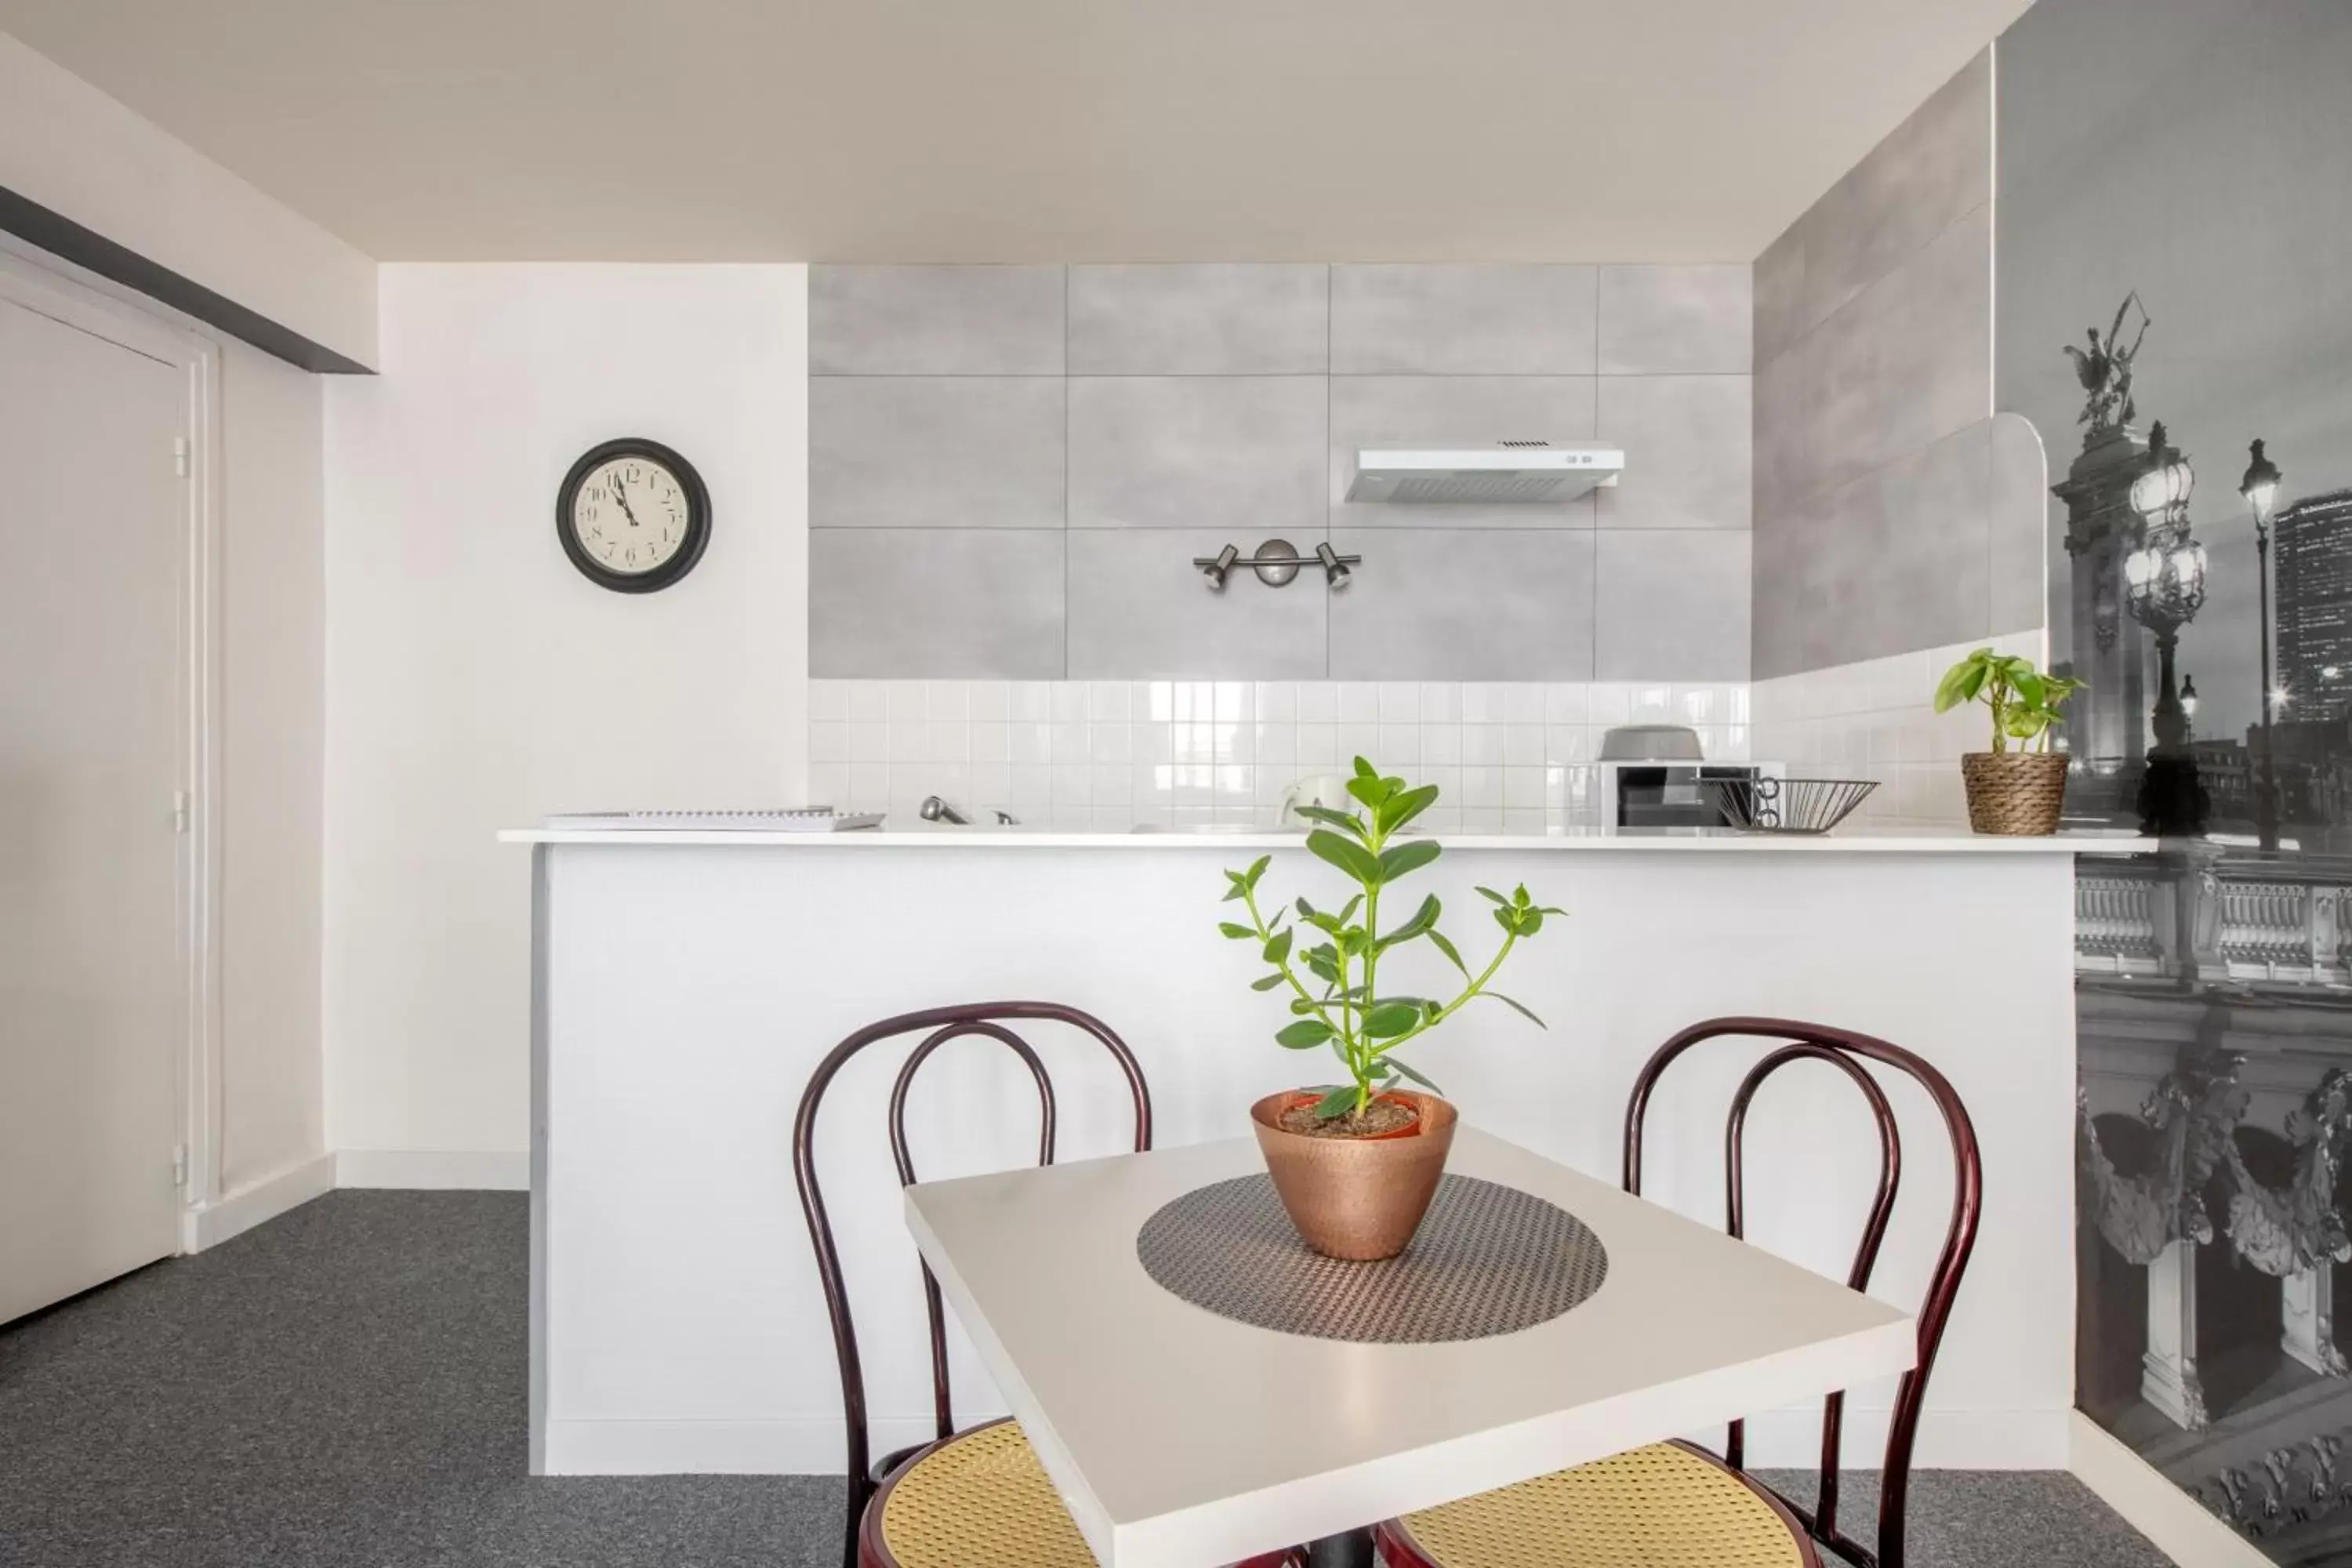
2019,792
1356,1163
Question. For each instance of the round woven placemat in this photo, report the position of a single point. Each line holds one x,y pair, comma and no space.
1487,1259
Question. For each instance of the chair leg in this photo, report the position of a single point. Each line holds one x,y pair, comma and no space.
1348,1549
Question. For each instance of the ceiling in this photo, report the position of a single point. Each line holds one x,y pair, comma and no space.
1017,130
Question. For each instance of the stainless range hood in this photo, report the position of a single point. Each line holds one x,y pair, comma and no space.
1502,471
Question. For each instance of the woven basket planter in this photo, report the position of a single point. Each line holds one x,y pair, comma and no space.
2018,794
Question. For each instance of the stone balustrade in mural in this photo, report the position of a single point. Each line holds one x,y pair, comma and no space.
2202,913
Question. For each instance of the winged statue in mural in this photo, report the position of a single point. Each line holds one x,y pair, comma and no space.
2105,369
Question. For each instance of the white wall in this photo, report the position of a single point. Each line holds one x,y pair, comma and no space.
476,680
70,148
272,758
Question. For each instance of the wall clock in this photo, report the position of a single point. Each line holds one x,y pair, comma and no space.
633,515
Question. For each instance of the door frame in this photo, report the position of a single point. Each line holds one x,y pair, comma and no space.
74,298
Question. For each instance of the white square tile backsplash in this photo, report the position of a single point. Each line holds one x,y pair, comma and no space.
1876,720
1095,755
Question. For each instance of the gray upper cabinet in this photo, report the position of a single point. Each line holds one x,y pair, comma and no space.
1464,321
936,321
1675,321
1198,451
1272,319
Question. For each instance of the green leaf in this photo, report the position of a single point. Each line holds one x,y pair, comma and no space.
1365,769
1391,1061
1301,1007
1238,891
1517,1008
1373,792
1267,982
1251,875
1323,962
1389,1019
1350,856
1339,1102
1490,893
1236,931
1347,821
1422,919
1304,1034
1278,948
1446,945
1409,855
1403,807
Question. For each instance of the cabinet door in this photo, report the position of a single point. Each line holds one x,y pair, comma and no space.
92,701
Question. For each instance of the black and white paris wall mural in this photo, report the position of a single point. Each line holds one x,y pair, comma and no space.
2174,313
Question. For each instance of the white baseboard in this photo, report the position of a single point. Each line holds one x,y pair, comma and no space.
802,1446
233,1213
1948,1439
2177,1523
488,1170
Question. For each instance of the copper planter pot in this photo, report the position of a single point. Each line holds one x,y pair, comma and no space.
1358,1198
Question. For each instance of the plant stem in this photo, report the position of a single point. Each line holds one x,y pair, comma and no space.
1455,1006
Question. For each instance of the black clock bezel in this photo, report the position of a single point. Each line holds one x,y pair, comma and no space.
698,516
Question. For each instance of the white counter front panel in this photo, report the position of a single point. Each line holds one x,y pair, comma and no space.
686,990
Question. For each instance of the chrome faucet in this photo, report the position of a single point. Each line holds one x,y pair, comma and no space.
936,809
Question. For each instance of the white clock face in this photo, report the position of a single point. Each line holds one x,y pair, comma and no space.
630,515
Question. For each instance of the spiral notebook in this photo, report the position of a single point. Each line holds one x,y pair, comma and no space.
806,819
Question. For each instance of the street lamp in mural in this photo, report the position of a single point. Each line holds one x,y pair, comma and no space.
2259,488
2164,587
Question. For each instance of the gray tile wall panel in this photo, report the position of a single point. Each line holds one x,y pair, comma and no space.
1686,452
1464,321
950,451
1244,453
906,602
1140,610
1245,320
1463,605
936,321
1665,321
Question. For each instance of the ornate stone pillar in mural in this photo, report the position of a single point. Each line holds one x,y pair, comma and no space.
2168,1368
2105,725
2307,1305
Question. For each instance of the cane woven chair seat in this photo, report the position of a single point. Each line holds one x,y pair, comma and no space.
1660,1507
980,1500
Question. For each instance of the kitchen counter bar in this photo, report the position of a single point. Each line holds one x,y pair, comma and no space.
686,984
1653,840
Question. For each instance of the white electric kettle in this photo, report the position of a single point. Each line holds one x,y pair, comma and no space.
1328,791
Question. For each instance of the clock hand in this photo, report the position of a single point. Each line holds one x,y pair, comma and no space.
622,496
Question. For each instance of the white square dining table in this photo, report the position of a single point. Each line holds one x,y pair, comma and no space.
1181,1439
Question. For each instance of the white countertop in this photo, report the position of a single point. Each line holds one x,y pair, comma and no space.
1674,840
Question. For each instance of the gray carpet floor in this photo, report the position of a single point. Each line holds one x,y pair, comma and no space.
344,1388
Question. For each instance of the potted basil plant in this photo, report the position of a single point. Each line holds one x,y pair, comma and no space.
2019,793
1357,1161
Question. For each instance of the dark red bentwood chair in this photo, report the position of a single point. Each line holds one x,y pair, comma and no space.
974,1498
1674,1505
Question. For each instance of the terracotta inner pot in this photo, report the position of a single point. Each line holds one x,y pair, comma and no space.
1356,1198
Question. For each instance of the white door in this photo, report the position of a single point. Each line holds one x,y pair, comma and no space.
93,987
